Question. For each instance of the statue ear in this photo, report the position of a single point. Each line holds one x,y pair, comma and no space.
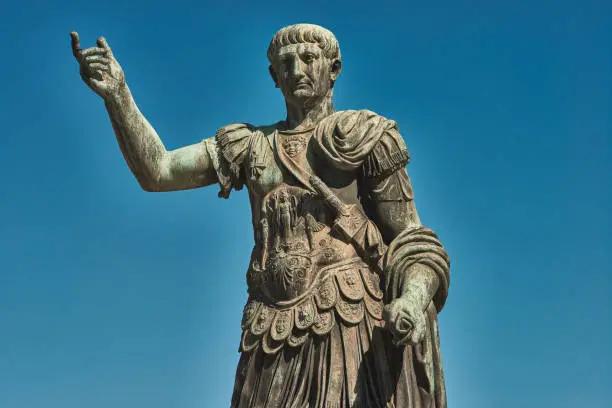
273,75
335,69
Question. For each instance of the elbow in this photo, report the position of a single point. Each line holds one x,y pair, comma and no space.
155,187
153,179
157,178
150,184
147,186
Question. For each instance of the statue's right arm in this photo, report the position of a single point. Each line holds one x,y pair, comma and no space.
155,168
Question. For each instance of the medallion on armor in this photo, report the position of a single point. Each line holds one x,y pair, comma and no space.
293,144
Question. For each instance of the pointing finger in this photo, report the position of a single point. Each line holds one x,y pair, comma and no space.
76,45
91,81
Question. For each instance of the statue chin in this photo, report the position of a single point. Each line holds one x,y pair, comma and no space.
303,94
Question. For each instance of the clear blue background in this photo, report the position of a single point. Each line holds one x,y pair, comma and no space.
114,297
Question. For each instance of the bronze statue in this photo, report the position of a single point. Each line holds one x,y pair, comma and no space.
344,282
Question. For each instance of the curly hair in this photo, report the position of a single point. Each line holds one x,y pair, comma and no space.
305,33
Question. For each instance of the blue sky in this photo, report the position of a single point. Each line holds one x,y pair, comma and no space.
111,296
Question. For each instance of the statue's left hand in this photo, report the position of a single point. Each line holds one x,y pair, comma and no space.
405,318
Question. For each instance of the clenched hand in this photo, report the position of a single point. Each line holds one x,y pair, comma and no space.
98,67
406,321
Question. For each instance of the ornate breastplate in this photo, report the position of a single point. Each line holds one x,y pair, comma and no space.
303,275
295,242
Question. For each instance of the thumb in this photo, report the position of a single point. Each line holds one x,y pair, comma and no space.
103,44
92,83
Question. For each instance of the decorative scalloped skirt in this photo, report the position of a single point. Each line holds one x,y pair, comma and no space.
351,366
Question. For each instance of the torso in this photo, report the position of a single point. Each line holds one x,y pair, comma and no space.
294,240
302,274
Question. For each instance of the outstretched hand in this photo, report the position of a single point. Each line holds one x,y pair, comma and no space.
98,67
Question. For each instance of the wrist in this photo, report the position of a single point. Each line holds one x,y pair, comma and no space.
120,96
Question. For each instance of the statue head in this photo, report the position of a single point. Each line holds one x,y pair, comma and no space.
304,62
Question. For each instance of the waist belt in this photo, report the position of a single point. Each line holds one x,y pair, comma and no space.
348,289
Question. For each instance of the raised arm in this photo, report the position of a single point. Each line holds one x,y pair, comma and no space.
155,168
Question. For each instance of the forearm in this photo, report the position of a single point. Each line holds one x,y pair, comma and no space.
142,148
155,168
420,284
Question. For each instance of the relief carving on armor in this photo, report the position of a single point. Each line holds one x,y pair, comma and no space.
350,284
326,295
350,312
294,144
305,314
323,323
283,323
263,321
290,221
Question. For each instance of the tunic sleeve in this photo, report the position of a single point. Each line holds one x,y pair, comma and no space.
228,150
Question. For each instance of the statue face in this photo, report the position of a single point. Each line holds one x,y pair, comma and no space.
303,73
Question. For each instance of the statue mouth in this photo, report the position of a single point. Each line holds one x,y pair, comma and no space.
302,85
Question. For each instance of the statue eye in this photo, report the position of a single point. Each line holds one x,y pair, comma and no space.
309,57
285,63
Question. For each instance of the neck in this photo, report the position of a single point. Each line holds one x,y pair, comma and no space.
306,115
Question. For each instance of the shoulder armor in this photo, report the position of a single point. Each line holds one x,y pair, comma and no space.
232,143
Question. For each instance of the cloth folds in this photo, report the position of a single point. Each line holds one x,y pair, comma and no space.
352,139
416,245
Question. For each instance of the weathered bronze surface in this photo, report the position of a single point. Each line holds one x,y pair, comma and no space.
344,282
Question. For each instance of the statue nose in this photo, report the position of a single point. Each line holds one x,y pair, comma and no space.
296,69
